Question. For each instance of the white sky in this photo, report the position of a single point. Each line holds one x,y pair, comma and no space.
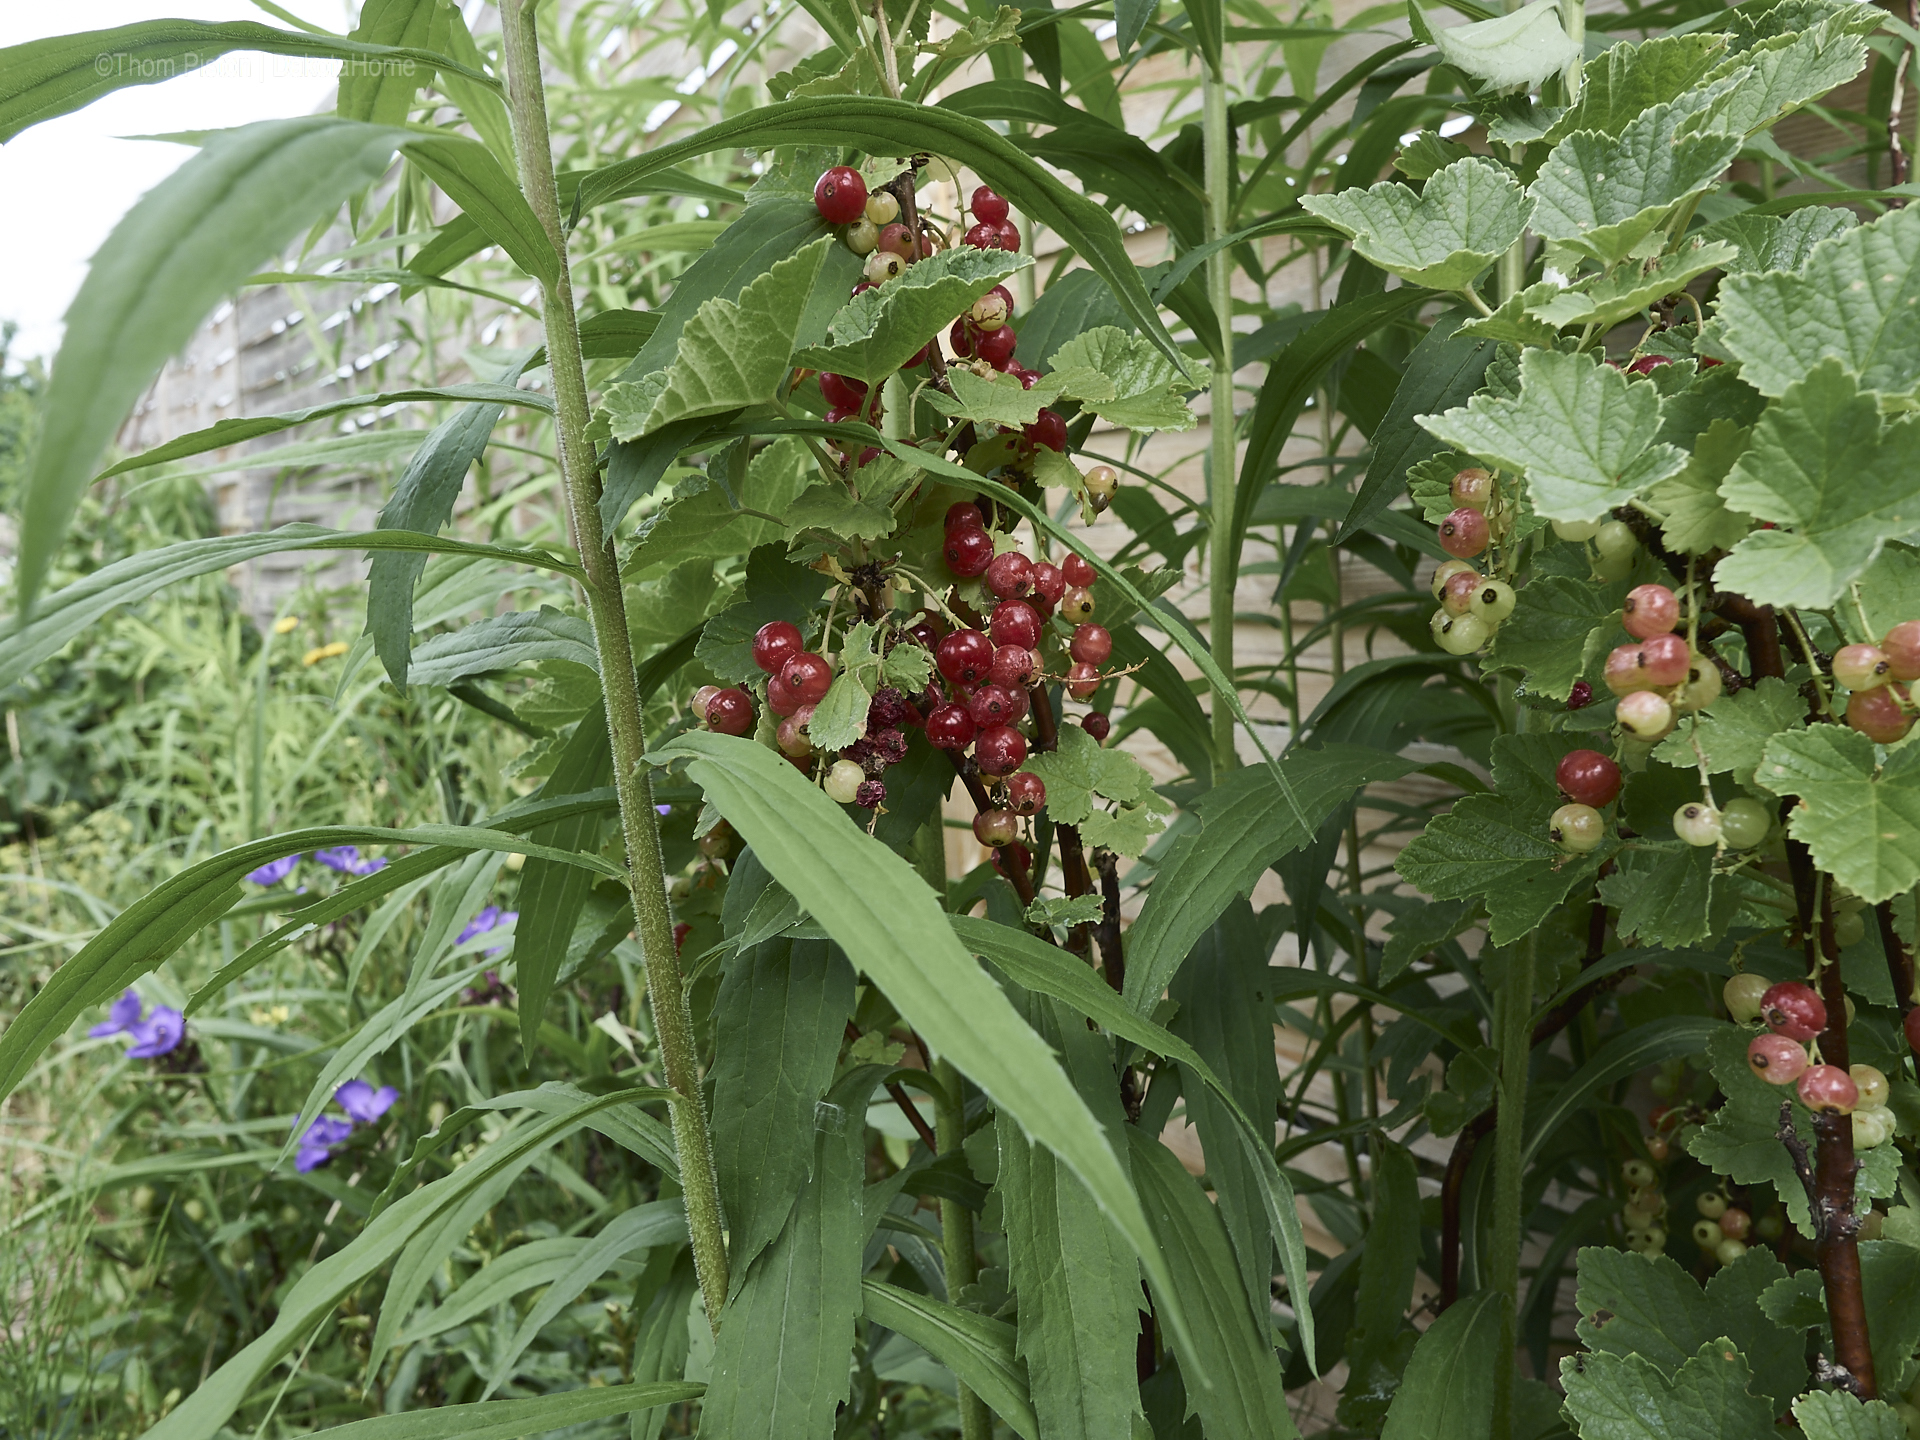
64,182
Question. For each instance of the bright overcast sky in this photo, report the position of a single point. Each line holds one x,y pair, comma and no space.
67,181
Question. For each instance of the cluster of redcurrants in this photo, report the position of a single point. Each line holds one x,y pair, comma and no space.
1657,675
1591,781
1471,604
842,198
1795,1014
1721,1231
1878,705
1614,544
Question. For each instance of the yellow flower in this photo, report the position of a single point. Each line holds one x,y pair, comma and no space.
286,625
325,652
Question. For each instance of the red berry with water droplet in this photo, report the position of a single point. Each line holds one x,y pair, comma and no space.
950,727
1026,792
775,643
730,712
988,207
1792,1009
964,657
1010,575
968,552
1650,610
1014,622
840,195
1000,750
1588,777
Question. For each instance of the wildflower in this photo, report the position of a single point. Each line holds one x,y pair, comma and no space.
286,625
121,1018
325,652
316,1146
274,871
158,1034
346,859
488,919
364,1103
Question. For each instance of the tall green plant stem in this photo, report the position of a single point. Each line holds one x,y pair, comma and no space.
1513,1014
956,1232
1225,567
607,609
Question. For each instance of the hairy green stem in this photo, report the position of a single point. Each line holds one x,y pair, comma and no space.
956,1232
1513,1014
606,608
1225,564
1573,20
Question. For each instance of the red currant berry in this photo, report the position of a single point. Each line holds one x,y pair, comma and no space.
969,552
964,515
987,207
1828,1090
961,337
680,933
730,712
1464,533
1012,666
1456,595
1078,570
842,393
840,195
1001,750
1861,667
950,727
841,414
781,700
791,736
775,643
1010,575
1902,647
1650,610
1012,860
1006,236
994,828
1082,680
1580,696
1878,715
1013,622
1077,604
1091,643
1792,1009
1026,792
1049,582
896,239
1776,1059
1647,364
926,630
1665,660
1588,777
1473,488
807,677
1096,724
992,705
1049,430
1027,378
982,237
1625,673
964,657
995,346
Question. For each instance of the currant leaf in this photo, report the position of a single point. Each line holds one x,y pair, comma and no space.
1624,81
1081,774
990,400
1836,1415
1603,196
1443,236
1514,320
1614,296
1778,242
879,330
731,354
1429,154
1559,626
1860,820
1695,519
1731,735
1824,462
1522,48
1887,592
1581,433
1123,379
1779,75
703,519
1625,1397
1856,299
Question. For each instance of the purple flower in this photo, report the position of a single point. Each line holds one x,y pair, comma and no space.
346,859
480,924
274,871
121,1018
664,809
364,1103
316,1146
158,1034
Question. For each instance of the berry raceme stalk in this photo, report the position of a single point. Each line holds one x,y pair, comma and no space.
606,607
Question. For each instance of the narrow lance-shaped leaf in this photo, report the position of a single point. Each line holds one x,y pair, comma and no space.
127,582
893,929
182,246
63,73
976,1348
1581,432
1467,216
383,94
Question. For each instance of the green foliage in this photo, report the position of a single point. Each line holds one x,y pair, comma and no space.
1464,219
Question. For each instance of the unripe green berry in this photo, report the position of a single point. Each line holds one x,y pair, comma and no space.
1697,823
1615,541
1578,828
1577,531
1744,823
1493,601
1742,994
